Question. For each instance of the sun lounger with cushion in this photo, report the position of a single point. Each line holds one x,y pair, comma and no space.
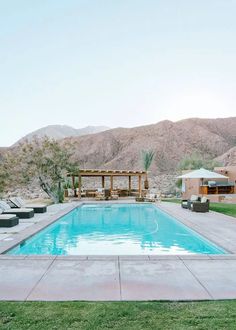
8,220
17,202
22,213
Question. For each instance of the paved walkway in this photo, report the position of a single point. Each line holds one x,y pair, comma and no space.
126,277
116,278
217,227
26,223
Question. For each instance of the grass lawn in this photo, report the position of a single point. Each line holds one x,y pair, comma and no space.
118,315
229,209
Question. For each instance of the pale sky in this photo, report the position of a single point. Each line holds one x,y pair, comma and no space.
114,62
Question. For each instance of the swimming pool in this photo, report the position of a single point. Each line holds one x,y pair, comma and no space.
116,229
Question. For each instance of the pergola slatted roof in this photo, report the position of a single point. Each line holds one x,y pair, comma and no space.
102,172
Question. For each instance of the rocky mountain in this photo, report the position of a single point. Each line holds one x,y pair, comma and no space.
61,131
228,158
120,148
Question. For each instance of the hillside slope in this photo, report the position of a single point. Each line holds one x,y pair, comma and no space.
120,148
228,158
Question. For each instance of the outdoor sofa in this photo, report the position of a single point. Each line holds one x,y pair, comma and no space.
17,202
202,206
196,204
22,213
8,220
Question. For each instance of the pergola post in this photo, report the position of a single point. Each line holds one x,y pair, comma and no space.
111,182
80,181
140,185
129,185
103,181
73,184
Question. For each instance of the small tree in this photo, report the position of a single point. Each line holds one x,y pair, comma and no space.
147,156
46,161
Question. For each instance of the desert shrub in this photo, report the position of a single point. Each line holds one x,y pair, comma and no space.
44,160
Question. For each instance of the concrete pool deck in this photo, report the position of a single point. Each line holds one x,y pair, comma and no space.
190,277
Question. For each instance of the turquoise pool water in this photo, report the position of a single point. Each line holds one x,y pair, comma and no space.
116,229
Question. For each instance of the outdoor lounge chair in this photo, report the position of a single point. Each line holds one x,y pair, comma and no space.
22,213
100,194
200,206
17,202
114,194
82,193
8,220
150,198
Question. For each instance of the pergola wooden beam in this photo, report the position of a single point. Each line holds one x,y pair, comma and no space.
101,173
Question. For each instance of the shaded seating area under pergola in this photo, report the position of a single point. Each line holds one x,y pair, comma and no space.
107,174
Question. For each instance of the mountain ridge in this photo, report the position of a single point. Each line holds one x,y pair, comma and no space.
60,132
120,148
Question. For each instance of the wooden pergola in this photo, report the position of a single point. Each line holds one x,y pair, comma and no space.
108,173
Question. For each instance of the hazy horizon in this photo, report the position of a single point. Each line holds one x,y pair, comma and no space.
117,64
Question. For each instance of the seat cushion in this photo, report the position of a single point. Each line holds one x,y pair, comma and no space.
21,210
7,216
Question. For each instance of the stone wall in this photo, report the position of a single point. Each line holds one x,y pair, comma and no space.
165,183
